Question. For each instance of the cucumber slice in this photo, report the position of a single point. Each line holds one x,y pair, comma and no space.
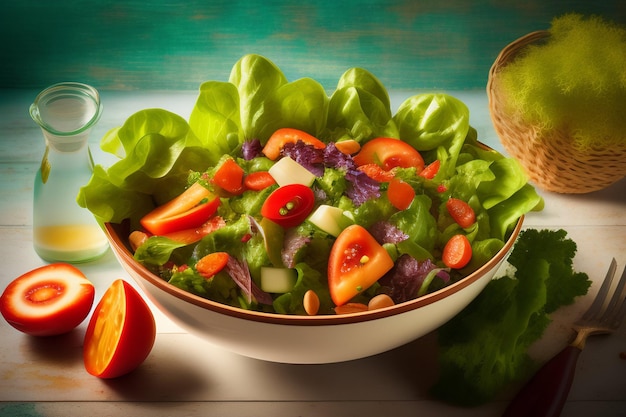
328,218
287,171
278,280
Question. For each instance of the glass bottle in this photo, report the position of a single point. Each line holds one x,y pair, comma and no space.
62,230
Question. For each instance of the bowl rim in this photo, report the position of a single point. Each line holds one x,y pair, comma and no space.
122,249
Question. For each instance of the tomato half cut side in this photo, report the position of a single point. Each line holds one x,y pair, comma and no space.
279,138
190,209
389,153
48,301
457,252
289,205
355,263
120,334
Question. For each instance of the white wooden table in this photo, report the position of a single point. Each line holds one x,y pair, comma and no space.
185,375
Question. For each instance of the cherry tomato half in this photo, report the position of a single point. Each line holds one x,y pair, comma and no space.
289,205
355,263
120,334
389,153
47,301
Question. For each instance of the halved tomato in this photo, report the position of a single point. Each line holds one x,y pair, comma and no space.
190,209
288,135
120,334
355,263
47,301
389,153
289,205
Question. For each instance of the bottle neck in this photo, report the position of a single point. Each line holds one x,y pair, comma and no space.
66,144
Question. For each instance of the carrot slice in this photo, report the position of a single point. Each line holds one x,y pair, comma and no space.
211,264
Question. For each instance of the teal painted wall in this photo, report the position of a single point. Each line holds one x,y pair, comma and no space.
159,44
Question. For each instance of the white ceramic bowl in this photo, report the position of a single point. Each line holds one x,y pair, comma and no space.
306,339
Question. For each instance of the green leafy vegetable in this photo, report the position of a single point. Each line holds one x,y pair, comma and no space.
572,81
160,154
484,348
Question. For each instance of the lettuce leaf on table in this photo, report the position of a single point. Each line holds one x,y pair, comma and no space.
484,348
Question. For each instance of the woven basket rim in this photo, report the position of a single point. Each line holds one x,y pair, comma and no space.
554,164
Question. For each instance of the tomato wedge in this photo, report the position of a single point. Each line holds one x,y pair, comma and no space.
376,173
462,213
288,135
355,263
400,194
120,334
190,209
258,181
430,170
229,177
47,301
289,205
389,153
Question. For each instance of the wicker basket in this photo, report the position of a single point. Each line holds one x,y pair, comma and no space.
548,158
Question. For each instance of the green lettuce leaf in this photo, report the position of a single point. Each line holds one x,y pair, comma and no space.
158,151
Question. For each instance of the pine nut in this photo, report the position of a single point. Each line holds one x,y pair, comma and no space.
380,301
350,308
136,239
311,303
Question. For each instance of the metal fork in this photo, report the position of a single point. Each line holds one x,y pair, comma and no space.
547,390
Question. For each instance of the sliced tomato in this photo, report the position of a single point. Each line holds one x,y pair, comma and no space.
211,264
355,263
120,334
289,205
400,194
375,172
389,153
190,209
47,301
462,213
189,236
258,181
229,177
457,252
283,136
431,170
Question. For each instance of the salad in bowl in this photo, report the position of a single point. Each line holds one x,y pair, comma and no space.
276,197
